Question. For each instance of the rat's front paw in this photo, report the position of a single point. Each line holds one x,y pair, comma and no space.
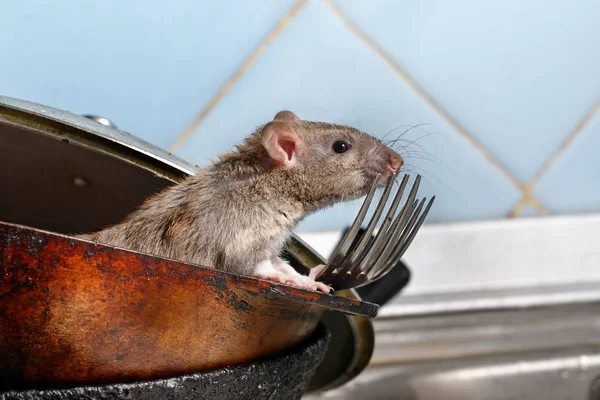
300,281
322,287
311,284
268,271
312,275
288,280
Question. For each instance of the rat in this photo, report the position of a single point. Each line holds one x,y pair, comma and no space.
237,213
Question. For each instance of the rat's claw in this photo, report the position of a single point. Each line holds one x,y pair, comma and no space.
314,272
316,286
323,287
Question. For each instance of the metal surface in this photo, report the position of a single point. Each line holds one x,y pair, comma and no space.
75,311
552,375
356,263
283,377
389,286
423,338
41,181
493,300
101,120
88,133
351,350
533,353
69,174
47,153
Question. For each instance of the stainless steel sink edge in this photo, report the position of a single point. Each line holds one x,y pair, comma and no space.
569,374
544,352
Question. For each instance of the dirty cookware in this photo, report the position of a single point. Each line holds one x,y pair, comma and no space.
74,312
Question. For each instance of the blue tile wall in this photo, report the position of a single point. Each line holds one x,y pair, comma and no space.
573,183
147,65
518,75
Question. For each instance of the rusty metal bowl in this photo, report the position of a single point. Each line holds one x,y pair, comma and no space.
75,312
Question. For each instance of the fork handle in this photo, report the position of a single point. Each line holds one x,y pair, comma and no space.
383,290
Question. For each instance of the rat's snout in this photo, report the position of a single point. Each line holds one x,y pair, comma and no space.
385,161
395,162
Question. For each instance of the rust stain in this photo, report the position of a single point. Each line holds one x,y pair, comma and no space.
76,312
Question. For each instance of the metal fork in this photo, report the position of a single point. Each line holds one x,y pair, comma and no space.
355,263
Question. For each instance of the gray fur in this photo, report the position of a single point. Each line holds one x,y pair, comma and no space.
241,209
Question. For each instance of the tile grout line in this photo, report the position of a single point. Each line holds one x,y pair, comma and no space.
432,103
527,199
565,144
537,204
562,147
248,62
518,208
420,91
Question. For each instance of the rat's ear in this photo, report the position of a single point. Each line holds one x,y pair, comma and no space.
282,143
287,116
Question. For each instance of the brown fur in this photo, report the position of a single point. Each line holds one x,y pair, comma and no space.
241,209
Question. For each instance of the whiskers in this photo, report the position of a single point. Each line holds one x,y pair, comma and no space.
417,157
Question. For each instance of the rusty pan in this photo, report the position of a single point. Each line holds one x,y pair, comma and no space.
74,312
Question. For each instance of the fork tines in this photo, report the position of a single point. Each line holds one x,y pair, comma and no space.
358,262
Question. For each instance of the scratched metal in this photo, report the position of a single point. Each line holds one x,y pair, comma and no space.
283,377
74,311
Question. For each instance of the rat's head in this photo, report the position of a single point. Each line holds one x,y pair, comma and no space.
330,162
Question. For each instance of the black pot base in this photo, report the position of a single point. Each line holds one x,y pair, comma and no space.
283,377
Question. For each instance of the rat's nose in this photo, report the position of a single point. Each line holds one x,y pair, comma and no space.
395,163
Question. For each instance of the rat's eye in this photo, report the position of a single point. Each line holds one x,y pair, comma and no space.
340,146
